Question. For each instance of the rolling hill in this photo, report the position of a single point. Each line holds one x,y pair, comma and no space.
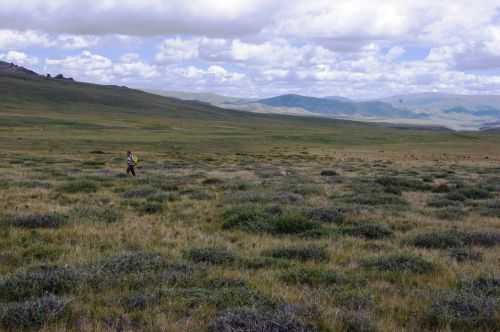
339,107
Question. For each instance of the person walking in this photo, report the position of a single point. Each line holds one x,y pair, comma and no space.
131,163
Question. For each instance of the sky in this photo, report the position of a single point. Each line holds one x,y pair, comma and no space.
260,48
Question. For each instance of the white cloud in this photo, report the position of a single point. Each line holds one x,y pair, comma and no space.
350,47
174,50
19,58
10,39
98,68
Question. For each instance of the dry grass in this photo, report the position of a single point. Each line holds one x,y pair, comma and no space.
333,287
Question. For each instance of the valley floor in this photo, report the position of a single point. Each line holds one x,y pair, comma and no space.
286,238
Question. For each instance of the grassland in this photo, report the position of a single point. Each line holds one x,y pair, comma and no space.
262,223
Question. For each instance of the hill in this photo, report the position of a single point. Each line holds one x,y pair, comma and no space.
338,107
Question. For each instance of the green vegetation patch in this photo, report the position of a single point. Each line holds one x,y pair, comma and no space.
301,253
408,263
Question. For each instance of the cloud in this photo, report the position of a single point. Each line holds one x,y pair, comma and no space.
147,17
97,68
19,58
257,47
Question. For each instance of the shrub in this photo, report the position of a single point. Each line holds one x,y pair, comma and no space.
301,253
249,218
355,299
289,198
32,314
491,209
131,262
107,215
216,256
249,320
39,281
150,208
375,199
402,183
325,215
400,263
78,186
438,202
462,255
356,321
262,263
463,311
312,277
475,193
370,231
291,223
483,285
248,197
456,196
212,181
39,220
328,172
483,238
140,192
439,240
451,213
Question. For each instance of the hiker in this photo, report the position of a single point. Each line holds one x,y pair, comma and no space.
131,162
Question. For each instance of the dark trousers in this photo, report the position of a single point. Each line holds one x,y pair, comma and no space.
130,169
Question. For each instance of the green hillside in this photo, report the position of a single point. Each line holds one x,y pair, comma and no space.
41,113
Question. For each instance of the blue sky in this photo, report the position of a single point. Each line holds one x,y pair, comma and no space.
257,48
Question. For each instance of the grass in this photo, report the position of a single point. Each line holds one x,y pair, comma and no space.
237,220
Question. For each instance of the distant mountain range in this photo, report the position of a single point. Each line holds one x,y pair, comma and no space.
464,112
459,112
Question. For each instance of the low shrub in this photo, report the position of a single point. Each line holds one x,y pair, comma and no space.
248,218
32,314
255,219
150,208
483,238
438,240
144,192
357,321
375,199
291,223
484,285
491,209
400,263
39,220
456,196
371,231
249,320
39,281
106,215
262,263
402,184
328,172
216,256
78,186
139,261
285,197
355,299
439,202
462,311
212,181
313,277
475,193
301,253
463,255
325,215
451,213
